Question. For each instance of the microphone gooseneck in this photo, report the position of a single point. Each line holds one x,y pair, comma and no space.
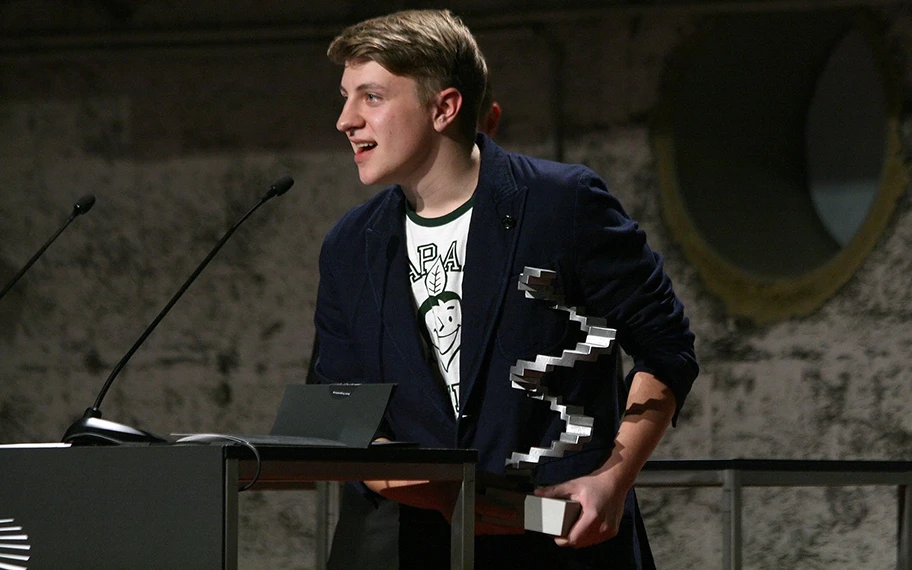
82,206
91,429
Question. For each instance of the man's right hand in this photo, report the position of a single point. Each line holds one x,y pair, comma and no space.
490,517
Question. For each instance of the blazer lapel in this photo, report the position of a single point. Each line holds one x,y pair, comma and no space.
387,269
493,235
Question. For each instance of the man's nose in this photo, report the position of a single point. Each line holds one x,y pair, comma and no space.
348,119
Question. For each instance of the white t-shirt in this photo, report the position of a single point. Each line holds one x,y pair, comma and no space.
436,252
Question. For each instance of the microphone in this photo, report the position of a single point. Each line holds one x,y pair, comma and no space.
82,206
90,429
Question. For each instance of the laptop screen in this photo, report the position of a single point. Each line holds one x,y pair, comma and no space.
318,415
348,414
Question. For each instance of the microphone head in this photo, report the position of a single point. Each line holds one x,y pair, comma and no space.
281,185
83,205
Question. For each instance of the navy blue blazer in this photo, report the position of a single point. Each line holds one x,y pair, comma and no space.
527,212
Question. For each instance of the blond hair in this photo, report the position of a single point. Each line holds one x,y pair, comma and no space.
433,47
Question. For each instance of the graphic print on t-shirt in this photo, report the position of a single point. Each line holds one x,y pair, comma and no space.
441,311
436,251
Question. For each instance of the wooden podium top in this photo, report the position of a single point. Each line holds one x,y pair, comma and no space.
295,467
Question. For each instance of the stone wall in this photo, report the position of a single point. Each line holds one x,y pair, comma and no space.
177,143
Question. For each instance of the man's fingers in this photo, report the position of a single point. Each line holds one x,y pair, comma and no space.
566,490
576,536
553,492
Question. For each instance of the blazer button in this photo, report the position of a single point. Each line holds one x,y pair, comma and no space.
508,222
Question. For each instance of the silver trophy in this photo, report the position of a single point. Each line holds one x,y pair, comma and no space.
550,516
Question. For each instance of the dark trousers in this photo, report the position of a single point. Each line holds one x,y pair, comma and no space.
367,534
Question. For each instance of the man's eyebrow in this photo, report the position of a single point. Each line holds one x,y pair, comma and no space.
365,87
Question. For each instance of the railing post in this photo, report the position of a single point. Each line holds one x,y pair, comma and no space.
731,519
321,553
904,538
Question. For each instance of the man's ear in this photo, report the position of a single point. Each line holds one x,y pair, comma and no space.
446,108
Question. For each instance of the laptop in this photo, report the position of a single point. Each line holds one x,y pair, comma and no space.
318,415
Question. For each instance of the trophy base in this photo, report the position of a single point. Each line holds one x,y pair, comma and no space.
539,514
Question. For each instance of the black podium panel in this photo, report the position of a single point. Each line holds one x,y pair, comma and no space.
115,508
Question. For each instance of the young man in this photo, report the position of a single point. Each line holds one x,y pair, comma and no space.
367,530
419,286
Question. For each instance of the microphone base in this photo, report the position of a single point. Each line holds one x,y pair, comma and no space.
90,430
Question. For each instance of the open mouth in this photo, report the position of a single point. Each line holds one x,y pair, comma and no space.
364,147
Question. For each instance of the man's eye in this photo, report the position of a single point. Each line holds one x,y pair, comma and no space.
371,97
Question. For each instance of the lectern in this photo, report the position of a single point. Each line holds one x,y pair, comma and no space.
175,506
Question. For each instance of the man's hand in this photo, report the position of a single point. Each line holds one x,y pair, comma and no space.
602,503
601,494
490,517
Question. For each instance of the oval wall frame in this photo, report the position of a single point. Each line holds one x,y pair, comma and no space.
730,133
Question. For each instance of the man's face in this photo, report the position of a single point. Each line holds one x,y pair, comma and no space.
389,128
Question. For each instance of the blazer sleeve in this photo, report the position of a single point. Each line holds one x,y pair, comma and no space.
619,277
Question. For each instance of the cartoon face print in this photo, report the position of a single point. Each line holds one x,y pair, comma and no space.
443,322
443,318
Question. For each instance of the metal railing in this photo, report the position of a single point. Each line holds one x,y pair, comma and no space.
733,475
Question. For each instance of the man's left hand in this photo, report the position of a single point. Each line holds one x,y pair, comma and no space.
602,502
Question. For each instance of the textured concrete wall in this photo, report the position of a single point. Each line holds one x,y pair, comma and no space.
177,144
